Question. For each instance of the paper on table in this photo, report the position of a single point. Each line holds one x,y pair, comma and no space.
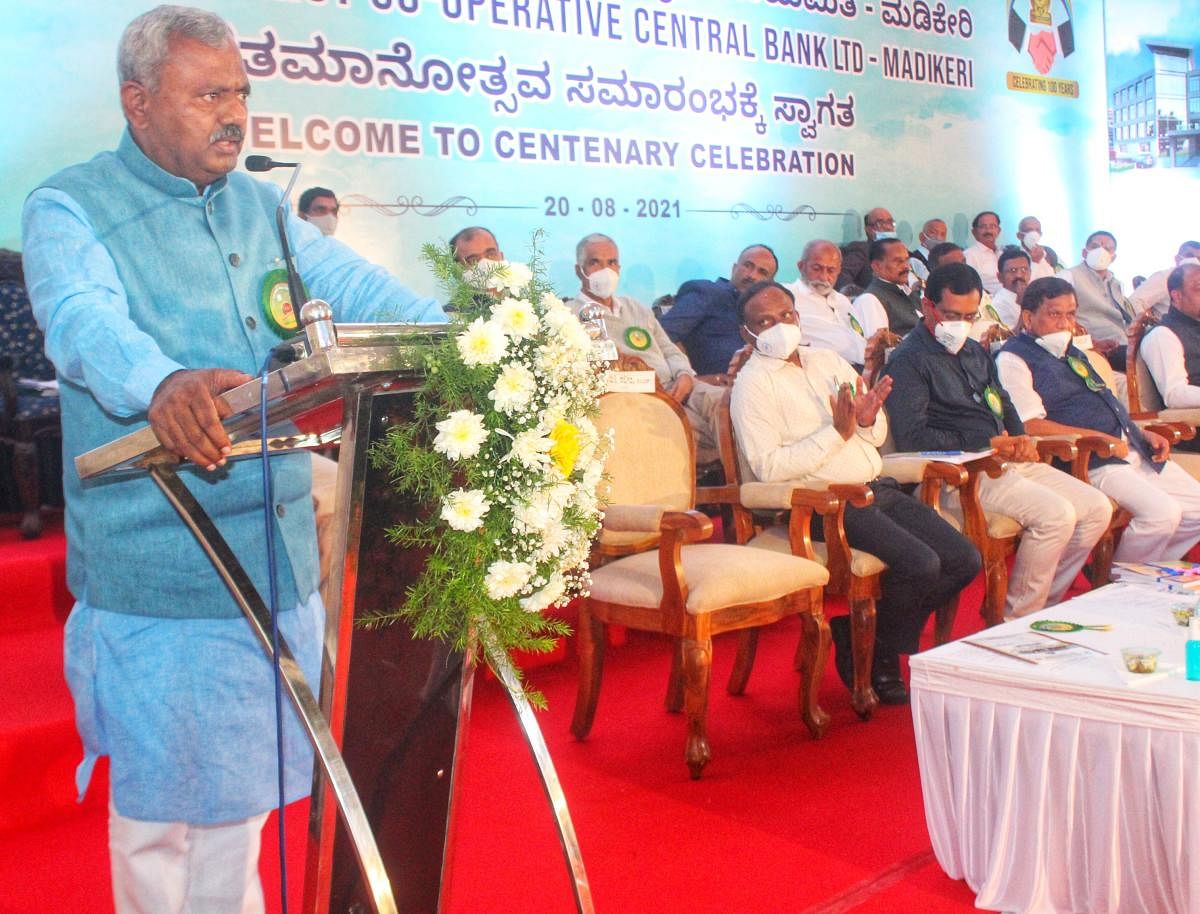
1032,647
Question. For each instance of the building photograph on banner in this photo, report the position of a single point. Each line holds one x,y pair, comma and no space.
684,130
1153,123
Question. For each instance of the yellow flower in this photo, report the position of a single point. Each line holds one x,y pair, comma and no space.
565,450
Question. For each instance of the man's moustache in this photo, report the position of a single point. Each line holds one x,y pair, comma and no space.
228,132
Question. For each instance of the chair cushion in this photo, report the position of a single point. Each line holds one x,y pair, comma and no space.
862,564
1190,462
717,576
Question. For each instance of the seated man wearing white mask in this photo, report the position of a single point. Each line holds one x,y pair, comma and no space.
637,332
947,396
802,415
1172,349
319,206
1029,235
1056,391
1103,307
933,233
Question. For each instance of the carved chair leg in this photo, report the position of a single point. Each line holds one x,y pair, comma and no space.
1102,559
674,702
25,468
814,640
862,639
995,591
744,662
697,662
943,620
589,643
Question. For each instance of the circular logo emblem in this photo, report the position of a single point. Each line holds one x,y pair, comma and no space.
1081,367
992,398
638,338
277,303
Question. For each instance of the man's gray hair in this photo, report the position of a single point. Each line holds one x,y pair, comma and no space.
144,44
817,244
593,238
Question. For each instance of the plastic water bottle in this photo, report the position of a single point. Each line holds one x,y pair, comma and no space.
1193,649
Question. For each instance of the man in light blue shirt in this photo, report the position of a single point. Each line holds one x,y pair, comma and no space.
148,269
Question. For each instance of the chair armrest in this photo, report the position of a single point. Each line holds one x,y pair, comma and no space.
1057,447
1174,432
859,495
778,496
1186,416
633,518
1087,445
690,526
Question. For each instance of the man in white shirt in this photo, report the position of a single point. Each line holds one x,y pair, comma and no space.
825,314
1172,349
1103,308
802,415
933,233
1153,292
984,254
637,332
1029,236
1015,265
1057,392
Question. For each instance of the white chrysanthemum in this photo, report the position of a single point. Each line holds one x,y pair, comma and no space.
482,343
553,538
543,509
549,301
460,435
505,579
464,509
546,597
511,276
514,388
532,448
516,317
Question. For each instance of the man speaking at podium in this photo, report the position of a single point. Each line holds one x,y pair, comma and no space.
146,268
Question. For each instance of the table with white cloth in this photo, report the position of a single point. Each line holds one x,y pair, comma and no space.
1068,786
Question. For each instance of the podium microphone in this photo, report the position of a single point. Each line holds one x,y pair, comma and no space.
295,288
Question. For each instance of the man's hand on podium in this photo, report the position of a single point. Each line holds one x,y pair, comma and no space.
186,416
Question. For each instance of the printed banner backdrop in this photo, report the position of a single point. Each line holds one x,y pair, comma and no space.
1153,49
686,129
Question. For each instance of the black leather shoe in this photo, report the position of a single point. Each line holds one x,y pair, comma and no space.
843,654
885,678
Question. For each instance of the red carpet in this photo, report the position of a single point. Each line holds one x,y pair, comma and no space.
780,823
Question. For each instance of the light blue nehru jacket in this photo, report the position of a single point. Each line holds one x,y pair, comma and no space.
189,268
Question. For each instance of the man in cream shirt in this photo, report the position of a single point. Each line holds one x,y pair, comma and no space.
802,414
636,332
984,254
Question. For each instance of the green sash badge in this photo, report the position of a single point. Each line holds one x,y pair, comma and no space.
277,303
1084,370
993,314
991,397
856,326
638,338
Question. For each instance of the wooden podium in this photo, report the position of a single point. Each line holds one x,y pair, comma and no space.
389,717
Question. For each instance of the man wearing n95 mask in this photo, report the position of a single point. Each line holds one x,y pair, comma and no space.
637,332
947,396
1057,392
802,415
1103,307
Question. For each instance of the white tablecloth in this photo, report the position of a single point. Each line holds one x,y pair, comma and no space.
1069,787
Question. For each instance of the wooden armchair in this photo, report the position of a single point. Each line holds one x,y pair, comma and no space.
759,521
995,535
1146,404
688,592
